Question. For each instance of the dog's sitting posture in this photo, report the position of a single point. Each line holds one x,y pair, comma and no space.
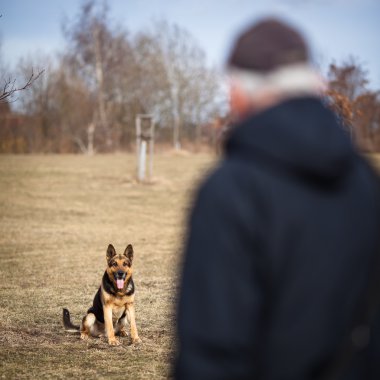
113,302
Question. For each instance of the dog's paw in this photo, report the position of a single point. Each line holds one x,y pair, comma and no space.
113,342
84,336
136,340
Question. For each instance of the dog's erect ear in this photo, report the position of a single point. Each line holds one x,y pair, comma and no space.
129,252
110,252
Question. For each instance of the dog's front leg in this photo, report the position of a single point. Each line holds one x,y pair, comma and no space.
132,321
107,309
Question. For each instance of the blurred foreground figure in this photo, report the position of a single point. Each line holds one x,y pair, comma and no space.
279,277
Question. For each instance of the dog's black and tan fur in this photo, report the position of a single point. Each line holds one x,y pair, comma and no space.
113,303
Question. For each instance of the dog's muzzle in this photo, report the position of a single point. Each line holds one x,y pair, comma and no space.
120,279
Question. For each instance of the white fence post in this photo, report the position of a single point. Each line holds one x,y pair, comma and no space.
143,136
142,161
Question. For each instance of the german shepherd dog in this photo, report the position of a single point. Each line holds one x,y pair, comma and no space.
113,302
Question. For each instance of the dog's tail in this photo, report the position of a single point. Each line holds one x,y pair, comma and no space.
69,326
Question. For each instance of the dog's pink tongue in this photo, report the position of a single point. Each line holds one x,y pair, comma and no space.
120,284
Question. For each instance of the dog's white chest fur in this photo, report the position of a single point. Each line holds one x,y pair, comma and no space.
117,312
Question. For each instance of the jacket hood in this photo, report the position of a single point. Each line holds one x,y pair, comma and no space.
300,135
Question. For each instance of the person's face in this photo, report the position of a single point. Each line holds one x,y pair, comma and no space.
240,104
243,104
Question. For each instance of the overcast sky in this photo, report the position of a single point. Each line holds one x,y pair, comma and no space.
335,29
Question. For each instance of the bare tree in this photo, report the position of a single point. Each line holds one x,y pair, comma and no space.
348,78
8,84
75,109
94,49
186,87
356,105
38,102
9,87
151,87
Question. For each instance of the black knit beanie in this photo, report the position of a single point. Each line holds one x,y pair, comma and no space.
267,45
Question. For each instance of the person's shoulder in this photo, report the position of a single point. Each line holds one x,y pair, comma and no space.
368,174
220,188
218,183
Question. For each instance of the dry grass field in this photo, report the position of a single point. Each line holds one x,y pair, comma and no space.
58,214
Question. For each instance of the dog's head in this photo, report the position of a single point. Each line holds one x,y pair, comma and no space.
119,267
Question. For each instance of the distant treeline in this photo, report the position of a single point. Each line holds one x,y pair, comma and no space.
90,93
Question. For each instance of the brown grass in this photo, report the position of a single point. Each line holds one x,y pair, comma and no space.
58,214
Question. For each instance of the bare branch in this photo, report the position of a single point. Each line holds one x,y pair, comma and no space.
9,88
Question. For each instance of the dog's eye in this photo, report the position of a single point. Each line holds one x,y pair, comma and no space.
114,264
125,264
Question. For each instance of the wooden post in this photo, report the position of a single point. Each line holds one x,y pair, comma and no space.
90,139
151,149
142,162
138,142
142,137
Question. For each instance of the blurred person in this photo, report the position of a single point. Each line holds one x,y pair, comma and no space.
282,255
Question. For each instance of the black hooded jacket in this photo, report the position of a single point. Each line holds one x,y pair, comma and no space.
281,240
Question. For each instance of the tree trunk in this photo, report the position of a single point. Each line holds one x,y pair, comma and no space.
90,139
198,136
176,133
99,72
